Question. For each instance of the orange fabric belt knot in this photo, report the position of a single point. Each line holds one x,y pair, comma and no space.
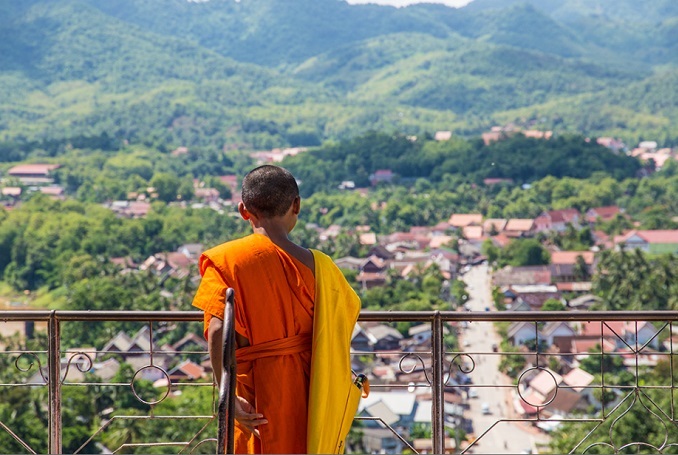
283,346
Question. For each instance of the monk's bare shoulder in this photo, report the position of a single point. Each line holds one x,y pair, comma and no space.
305,257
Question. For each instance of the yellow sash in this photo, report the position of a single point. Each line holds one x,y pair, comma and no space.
333,396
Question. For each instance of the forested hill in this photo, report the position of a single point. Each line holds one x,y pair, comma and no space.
518,159
253,74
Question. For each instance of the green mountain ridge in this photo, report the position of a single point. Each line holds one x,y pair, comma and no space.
264,73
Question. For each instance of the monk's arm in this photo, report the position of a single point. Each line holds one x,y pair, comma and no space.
245,413
214,345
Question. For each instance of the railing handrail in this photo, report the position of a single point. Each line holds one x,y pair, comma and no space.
54,318
380,316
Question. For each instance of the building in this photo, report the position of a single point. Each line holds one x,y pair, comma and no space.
443,135
650,241
382,176
34,174
556,220
516,227
53,191
606,213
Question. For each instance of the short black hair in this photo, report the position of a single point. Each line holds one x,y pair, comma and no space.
268,191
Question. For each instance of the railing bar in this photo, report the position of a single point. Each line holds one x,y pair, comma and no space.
138,316
559,354
75,353
438,389
31,315
17,438
150,329
153,444
381,353
195,437
148,444
160,417
54,386
39,384
121,384
379,316
636,353
673,398
602,370
381,421
24,352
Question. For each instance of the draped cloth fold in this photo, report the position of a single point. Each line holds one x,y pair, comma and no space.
284,346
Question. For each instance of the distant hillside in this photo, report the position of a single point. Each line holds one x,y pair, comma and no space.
482,79
632,111
254,74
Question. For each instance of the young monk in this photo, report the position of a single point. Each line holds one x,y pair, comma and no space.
275,290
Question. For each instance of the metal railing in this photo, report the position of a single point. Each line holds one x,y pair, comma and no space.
436,364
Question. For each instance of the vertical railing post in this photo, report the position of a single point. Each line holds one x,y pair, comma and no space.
438,387
54,382
226,408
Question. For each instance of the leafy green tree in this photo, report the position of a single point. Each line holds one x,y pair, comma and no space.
630,280
523,252
166,185
553,305
581,269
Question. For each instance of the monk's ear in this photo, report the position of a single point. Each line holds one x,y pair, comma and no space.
243,211
296,205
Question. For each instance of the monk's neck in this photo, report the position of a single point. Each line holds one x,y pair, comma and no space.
277,234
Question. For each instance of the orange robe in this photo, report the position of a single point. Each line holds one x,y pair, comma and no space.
274,299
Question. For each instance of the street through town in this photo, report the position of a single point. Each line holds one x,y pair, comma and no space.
493,402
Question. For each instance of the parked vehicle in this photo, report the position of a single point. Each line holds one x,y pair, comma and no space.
485,408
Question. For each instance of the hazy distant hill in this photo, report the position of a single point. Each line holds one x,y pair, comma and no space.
261,73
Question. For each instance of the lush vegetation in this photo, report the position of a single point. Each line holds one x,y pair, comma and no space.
629,280
641,418
110,89
257,74
519,159
86,409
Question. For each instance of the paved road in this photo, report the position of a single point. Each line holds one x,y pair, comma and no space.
493,389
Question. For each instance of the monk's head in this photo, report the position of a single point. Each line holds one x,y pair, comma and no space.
270,192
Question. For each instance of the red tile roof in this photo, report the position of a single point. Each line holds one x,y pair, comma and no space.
32,169
465,219
651,236
606,329
498,223
177,260
584,345
138,208
11,191
563,216
570,257
473,232
368,276
519,224
191,370
495,181
577,286
660,236
604,213
52,190
502,240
